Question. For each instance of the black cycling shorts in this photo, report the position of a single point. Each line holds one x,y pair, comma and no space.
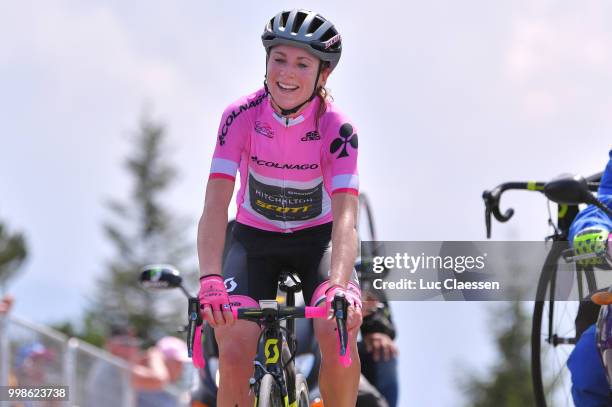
256,257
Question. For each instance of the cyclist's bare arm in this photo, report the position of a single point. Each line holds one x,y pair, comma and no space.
211,228
211,239
344,238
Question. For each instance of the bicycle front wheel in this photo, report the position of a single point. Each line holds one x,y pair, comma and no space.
301,389
269,393
553,332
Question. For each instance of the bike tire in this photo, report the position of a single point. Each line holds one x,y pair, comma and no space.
269,393
301,391
551,335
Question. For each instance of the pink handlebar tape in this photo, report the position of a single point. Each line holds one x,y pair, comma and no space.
316,312
198,357
345,360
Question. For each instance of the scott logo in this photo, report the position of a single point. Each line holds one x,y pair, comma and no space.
282,209
271,354
264,129
311,136
230,284
346,137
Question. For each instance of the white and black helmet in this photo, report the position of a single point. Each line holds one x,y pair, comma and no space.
307,30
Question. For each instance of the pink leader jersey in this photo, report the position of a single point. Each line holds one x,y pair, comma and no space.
289,168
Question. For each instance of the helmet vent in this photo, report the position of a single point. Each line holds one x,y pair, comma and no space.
297,22
316,23
328,34
283,22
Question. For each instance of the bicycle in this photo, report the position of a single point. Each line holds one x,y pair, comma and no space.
275,381
553,327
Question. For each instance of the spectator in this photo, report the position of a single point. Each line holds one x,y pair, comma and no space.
165,362
377,350
34,366
107,384
6,304
32,362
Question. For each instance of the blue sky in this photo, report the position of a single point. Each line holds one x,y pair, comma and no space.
450,98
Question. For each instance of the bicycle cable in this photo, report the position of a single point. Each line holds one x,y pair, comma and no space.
291,339
551,223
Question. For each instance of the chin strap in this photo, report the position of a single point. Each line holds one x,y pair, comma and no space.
287,112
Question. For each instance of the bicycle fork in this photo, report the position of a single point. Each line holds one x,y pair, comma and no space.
273,352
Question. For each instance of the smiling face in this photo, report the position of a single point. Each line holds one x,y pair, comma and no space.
291,75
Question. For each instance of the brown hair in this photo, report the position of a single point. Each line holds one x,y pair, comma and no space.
324,96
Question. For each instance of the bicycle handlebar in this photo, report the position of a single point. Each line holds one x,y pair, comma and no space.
340,312
492,198
256,314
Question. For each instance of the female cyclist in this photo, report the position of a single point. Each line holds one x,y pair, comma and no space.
297,157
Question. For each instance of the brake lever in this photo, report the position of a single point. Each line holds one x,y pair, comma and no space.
340,309
491,199
195,320
488,222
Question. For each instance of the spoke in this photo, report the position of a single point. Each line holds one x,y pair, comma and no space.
554,358
559,383
557,330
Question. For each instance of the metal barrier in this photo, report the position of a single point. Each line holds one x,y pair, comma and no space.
32,354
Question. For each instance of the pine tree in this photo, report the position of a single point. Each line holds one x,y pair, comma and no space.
508,384
143,231
13,252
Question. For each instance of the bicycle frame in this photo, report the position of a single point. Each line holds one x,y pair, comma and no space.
274,355
276,350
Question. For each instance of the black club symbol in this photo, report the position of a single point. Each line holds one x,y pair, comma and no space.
346,137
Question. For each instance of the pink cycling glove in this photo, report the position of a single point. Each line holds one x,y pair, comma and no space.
213,293
352,294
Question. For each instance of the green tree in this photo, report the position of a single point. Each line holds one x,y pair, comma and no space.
143,230
508,383
92,330
13,252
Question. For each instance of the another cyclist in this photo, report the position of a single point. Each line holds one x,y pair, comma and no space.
377,350
297,156
590,232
